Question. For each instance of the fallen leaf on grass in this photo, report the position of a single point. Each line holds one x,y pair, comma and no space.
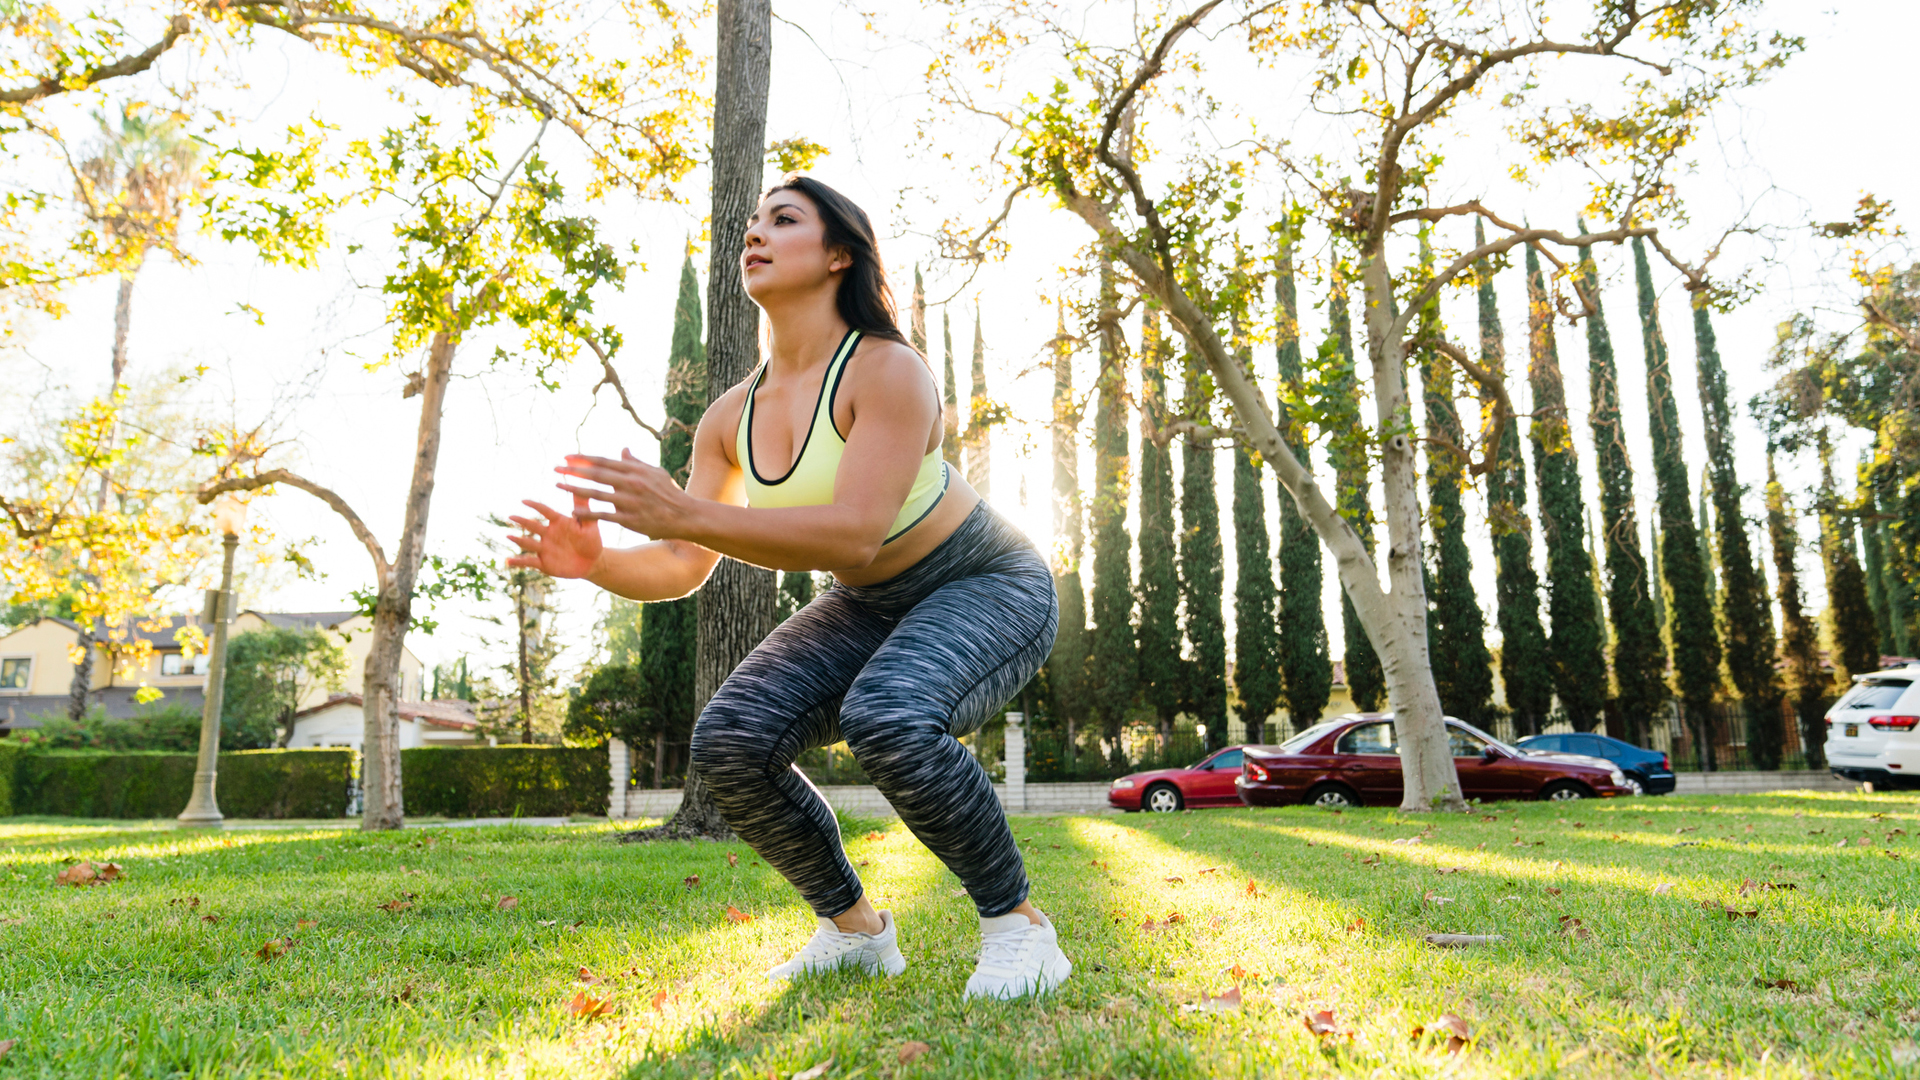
1323,1024
1461,941
6,1045
732,859
82,874
912,1051
1904,1053
1096,862
880,836
1777,984
1226,1002
1733,914
507,903
691,881
1436,901
191,901
1210,870
1410,840
1574,928
659,1000
734,914
405,995
1453,1028
1748,885
1663,888
549,922
210,918
395,907
588,977
1371,860
1174,880
1252,889
816,1072
1173,918
274,947
1358,924
1551,891
587,1007
1448,869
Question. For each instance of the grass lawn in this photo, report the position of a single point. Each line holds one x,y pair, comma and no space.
396,957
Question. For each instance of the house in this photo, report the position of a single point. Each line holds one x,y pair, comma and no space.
338,721
35,671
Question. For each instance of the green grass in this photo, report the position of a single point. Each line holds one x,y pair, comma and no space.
130,979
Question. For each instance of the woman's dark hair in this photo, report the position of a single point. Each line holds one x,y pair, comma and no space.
865,300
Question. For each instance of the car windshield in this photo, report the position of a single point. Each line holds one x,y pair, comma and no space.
1307,738
1874,694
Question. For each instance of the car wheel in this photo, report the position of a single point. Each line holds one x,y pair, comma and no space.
1563,790
1163,799
1333,797
1635,786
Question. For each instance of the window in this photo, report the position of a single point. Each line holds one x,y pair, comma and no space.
1232,759
1464,745
174,664
1306,738
1874,694
16,673
1589,745
1369,739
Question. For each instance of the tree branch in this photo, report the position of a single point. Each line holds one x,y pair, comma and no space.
208,492
1494,387
62,82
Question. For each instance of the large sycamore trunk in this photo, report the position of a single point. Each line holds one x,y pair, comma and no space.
380,692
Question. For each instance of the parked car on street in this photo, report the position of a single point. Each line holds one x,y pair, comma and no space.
1355,761
1648,772
1873,732
1210,782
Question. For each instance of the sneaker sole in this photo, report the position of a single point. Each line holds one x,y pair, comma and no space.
1054,970
890,964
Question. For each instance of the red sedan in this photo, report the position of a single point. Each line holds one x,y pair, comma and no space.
1355,761
1213,782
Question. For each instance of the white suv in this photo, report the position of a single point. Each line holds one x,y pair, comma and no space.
1873,733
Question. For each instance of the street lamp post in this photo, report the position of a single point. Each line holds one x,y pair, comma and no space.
229,514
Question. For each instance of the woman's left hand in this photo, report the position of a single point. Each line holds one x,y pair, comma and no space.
642,498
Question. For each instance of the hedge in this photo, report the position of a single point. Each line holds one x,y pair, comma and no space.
9,751
505,781
136,784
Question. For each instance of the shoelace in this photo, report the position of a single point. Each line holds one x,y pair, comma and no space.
1007,950
825,943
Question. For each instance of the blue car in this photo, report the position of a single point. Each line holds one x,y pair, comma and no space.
1647,771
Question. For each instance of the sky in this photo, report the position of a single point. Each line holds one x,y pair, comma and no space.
1801,147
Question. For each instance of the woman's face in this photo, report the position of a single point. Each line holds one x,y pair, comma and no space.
785,250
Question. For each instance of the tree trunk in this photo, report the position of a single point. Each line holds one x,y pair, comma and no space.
82,683
122,318
736,605
380,692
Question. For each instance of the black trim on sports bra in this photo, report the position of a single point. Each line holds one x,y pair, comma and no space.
812,419
946,478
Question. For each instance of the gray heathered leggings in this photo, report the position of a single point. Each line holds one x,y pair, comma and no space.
900,670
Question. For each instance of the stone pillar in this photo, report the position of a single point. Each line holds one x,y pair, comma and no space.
619,766
1016,762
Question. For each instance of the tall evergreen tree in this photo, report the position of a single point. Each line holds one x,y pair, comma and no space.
1456,627
1746,617
1524,666
1695,644
1856,641
1874,565
1162,679
1366,682
1202,575
980,418
1659,588
1067,666
1256,643
796,592
1305,669
669,629
1704,530
950,413
1799,640
1113,674
1639,658
1576,642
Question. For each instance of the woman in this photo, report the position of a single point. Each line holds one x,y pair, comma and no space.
828,458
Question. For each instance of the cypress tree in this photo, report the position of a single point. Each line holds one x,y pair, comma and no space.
1456,627
1067,666
796,592
1856,644
950,439
1659,590
1366,682
1305,670
1256,643
1576,642
1524,665
1162,679
980,419
1705,531
1799,640
1639,657
669,629
1115,668
1746,617
1696,646
1874,564
1202,577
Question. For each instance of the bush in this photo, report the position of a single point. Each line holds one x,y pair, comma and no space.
505,781
252,784
167,727
10,752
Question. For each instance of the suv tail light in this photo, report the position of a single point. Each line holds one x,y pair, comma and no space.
1665,765
1894,723
1255,772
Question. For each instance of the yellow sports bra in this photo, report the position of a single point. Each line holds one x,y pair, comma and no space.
810,481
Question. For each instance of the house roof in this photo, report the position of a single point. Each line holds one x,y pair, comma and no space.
306,620
443,713
162,639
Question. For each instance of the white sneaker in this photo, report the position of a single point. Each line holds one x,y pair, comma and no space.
1017,957
831,947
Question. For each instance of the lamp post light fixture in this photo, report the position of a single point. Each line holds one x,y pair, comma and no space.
229,516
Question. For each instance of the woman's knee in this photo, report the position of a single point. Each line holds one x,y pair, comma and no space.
724,747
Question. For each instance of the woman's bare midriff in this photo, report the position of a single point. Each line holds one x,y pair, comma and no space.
920,540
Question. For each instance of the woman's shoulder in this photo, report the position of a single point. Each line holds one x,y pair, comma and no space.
887,361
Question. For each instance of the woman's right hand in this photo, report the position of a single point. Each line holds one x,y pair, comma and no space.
561,546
